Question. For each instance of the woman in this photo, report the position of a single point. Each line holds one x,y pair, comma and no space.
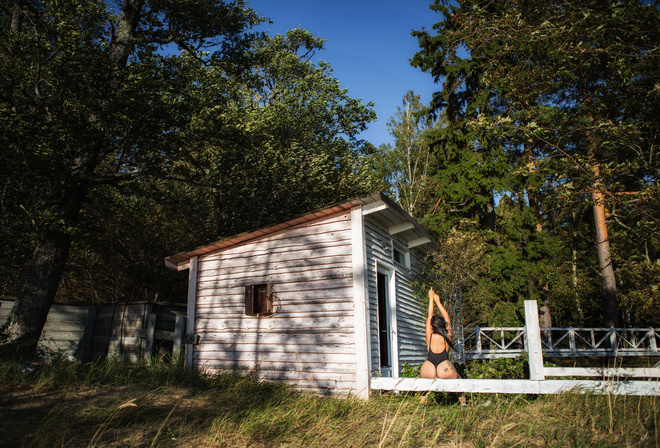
438,342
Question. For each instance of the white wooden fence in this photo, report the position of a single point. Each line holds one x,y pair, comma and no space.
509,342
616,381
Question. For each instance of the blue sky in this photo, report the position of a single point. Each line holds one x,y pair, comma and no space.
368,44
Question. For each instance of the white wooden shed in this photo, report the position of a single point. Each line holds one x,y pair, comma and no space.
324,301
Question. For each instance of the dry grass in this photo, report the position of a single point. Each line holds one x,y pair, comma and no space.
116,405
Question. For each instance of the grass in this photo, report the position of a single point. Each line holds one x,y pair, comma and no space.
112,404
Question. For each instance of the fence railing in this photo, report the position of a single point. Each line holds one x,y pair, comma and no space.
510,342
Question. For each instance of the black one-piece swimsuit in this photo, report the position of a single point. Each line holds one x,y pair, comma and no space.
437,358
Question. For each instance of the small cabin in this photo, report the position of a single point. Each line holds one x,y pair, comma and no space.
324,301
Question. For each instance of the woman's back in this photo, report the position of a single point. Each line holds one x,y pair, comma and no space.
438,343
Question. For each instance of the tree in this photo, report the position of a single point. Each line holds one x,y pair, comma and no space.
87,101
405,165
294,144
570,84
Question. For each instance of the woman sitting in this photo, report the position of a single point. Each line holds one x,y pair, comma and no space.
438,338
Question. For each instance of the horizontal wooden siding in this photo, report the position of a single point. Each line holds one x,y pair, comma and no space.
410,319
309,341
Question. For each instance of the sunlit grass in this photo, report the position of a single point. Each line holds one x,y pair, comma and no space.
163,405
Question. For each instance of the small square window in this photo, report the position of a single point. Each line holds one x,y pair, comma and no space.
259,299
400,257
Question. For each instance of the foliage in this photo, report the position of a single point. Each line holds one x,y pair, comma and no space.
295,148
405,166
128,153
498,369
410,371
551,109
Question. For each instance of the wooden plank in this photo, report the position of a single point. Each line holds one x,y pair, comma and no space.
178,335
63,335
289,311
191,308
517,386
301,371
290,359
332,257
374,207
118,340
298,277
85,348
144,349
533,340
241,256
277,269
319,338
608,372
418,242
402,227
161,335
264,323
150,337
275,240
288,305
320,291
361,319
333,383
268,346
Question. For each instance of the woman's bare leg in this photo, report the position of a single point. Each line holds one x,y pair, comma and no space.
446,370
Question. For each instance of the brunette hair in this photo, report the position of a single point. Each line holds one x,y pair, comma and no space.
439,326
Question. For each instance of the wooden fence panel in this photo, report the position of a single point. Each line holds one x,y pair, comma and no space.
128,331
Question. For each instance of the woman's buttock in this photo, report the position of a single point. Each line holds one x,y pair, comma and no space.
446,370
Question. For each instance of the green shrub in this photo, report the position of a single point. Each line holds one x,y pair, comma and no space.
498,369
410,371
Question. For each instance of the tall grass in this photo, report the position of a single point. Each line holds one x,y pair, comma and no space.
163,405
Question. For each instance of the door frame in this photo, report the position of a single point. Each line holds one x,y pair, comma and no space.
390,312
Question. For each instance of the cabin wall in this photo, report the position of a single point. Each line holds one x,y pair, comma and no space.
410,324
309,341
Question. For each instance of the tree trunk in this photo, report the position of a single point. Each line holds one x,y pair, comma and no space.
28,316
23,328
608,281
607,278
26,320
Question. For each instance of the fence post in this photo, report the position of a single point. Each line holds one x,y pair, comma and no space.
151,336
533,337
478,330
614,346
179,332
571,340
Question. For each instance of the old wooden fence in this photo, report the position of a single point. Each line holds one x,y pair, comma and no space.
128,331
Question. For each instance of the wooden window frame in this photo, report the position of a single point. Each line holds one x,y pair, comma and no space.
259,299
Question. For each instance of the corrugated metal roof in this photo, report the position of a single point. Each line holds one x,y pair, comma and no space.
389,215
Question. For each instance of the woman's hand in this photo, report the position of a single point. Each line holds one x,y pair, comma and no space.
433,297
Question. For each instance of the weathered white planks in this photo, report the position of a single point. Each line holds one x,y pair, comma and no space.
607,372
312,330
517,386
